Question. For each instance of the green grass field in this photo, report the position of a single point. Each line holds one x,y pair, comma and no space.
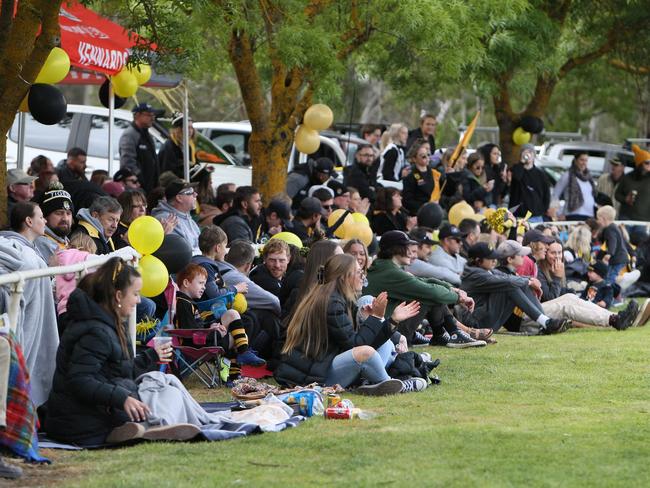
566,410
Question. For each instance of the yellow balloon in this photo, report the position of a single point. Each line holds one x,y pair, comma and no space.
124,84
359,217
239,303
142,73
56,67
358,230
318,117
289,238
333,219
307,140
154,276
520,136
458,212
146,234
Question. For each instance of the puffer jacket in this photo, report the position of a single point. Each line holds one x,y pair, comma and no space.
297,369
93,375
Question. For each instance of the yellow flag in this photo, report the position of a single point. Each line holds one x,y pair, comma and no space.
464,142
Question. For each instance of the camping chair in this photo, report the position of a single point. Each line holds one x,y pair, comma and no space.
194,357
215,306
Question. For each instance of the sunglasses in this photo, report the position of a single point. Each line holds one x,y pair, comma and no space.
188,191
327,207
427,155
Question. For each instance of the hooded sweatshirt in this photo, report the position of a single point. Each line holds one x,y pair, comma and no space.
50,243
185,227
91,226
36,330
66,283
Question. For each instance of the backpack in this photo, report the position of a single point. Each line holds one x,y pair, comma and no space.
409,365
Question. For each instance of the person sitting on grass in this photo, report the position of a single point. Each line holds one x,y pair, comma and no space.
94,398
598,290
497,293
324,344
191,281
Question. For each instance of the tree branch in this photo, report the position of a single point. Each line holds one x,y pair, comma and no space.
637,70
357,35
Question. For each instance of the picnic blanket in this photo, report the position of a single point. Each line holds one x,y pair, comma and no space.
19,433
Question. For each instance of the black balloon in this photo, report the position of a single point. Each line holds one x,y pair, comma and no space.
46,103
430,215
103,96
175,252
531,124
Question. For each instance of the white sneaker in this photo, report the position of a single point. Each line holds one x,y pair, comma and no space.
414,384
628,279
426,357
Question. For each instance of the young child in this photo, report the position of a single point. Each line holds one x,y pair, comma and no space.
191,282
616,256
598,290
80,248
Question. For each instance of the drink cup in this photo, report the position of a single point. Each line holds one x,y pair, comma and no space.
159,341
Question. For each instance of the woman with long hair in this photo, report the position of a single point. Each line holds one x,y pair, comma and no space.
94,398
477,191
356,248
324,344
423,183
578,189
389,214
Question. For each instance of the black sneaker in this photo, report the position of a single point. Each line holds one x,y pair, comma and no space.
441,340
461,340
419,340
555,326
387,387
624,319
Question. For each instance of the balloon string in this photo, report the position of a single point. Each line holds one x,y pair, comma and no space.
20,67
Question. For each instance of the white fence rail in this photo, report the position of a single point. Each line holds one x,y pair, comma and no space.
16,283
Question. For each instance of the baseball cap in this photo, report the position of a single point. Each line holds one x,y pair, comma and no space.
324,165
123,174
337,187
309,206
616,162
395,238
422,236
19,177
145,107
282,209
599,268
450,231
533,235
176,187
511,248
482,250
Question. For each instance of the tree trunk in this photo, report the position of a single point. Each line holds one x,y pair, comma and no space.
22,54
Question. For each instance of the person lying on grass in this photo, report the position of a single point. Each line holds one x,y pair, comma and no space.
231,335
325,345
94,398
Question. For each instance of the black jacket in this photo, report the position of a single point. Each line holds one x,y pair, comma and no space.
138,154
363,178
261,276
170,158
382,222
530,190
613,238
418,187
473,190
416,134
297,369
93,375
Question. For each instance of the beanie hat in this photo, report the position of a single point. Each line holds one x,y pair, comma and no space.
640,155
55,198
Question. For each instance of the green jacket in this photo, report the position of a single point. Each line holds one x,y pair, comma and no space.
385,275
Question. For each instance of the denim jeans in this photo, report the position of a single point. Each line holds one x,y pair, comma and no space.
345,370
613,271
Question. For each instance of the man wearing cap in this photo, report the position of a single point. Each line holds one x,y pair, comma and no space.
57,208
307,224
43,168
137,149
171,153
608,182
180,201
633,192
276,218
20,188
420,265
446,256
73,168
362,174
242,221
386,274
529,266
307,175
127,178
497,294
529,188
341,194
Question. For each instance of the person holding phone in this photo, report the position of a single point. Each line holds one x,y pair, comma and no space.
529,189
477,191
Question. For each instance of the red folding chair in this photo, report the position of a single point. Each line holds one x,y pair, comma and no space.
194,357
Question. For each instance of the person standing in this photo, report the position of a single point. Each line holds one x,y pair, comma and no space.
137,149
362,175
392,161
577,188
529,190
426,131
608,182
633,192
